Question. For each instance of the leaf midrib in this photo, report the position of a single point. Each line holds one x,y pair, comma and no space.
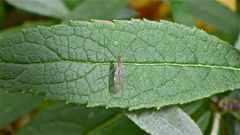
133,63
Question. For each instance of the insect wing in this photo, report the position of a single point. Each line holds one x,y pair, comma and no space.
118,75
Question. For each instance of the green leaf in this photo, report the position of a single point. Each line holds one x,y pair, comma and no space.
71,4
2,14
200,112
53,8
170,121
236,114
15,105
126,13
164,63
192,107
227,125
204,121
24,26
97,9
181,13
61,119
237,44
215,14
238,13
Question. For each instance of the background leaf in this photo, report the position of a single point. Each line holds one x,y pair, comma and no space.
192,107
214,14
200,111
170,121
63,119
238,9
24,26
181,13
71,4
15,105
126,13
97,9
164,63
237,44
53,8
204,121
2,13
227,125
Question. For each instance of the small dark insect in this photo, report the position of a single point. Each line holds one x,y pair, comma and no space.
118,75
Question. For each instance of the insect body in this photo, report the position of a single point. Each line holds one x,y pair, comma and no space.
118,75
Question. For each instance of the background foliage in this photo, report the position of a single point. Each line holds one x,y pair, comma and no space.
28,114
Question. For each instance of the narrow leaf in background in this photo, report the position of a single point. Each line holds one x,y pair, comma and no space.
168,121
192,107
228,125
204,121
15,105
61,119
53,8
164,63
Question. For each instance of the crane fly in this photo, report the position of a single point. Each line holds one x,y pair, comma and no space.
118,74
